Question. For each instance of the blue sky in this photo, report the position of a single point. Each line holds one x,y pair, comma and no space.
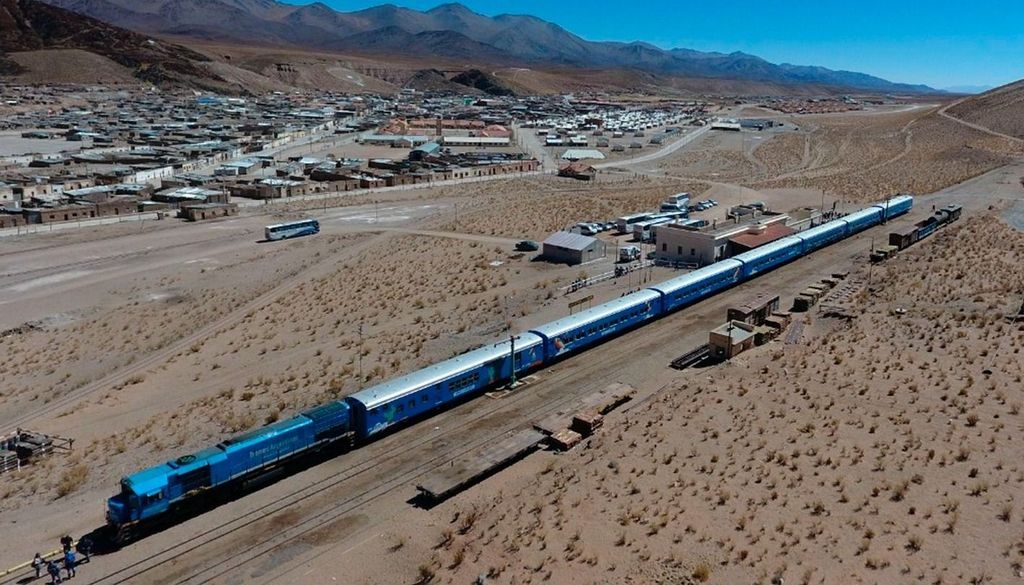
941,43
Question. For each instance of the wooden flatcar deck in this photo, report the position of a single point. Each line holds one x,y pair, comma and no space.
473,467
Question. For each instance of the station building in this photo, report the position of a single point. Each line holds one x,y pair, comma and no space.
687,244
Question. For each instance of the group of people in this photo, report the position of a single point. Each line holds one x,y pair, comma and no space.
68,559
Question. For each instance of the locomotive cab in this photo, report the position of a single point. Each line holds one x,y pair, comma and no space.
119,507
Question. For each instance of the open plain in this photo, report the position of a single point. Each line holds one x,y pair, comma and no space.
875,448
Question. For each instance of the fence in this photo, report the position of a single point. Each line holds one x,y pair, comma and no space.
617,273
38,228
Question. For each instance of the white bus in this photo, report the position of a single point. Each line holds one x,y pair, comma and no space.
625,223
642,230
292,229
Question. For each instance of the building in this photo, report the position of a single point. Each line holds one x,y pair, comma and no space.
394,139
201,211
732,338
578,170
572,249
477,141
185,195
582,153
756,236
425,150
756,311
727,126
687,244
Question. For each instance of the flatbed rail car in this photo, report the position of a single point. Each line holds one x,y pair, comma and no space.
291,229
165,489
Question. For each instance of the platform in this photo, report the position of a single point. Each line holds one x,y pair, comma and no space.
473,467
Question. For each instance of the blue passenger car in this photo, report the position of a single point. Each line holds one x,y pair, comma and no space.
578,331
770,256
823,235
378,408
690,288
896,206
863,219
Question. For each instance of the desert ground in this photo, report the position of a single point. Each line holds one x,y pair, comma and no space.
876,449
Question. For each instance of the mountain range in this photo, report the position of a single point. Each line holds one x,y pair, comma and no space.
449,31
29,26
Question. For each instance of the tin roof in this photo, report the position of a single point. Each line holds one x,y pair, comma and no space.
569,241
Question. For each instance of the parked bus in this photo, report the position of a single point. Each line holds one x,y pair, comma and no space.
292,229
625,223
642,230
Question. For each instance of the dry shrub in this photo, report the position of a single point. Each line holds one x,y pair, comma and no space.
72,480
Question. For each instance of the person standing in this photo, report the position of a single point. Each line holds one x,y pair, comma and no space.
85,547
69,563
54,571
65,542
37,564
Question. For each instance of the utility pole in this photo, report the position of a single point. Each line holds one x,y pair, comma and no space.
512,343
360,355
871,264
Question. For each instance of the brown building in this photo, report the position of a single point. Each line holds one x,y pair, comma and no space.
80,210
577,170
9,220
201,211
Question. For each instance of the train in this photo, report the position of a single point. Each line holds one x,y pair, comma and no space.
169,488
910,235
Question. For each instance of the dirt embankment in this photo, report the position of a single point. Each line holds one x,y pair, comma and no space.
878,450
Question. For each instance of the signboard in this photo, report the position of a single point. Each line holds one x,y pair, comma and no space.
578,302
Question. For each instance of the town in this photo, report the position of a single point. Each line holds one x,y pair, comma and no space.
71,155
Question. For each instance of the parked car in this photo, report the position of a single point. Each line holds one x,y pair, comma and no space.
527,246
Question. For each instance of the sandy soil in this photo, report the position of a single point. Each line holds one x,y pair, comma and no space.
877,450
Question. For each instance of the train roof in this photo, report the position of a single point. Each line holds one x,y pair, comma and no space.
874,210
768,249
556,328
673,284
822,229
242,441
893,201
155,478
403,385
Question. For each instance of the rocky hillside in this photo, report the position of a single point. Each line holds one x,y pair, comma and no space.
29,26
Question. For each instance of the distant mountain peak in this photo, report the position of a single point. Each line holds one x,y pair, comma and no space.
476,38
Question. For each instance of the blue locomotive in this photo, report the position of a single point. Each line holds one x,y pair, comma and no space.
236,463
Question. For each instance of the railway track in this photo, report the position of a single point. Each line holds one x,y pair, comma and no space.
397,451
213,552
202,556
